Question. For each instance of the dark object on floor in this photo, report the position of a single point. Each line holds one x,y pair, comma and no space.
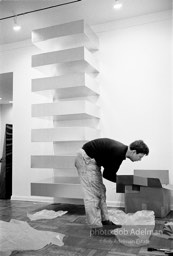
168,229
166,251
110,225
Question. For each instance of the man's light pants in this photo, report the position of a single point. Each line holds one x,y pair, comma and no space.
93,188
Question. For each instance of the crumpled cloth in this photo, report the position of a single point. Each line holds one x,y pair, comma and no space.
45,214
18,235
136,227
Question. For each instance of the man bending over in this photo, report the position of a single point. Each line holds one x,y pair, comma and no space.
109,154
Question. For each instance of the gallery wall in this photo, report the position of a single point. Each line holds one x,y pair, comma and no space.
135,81
136,89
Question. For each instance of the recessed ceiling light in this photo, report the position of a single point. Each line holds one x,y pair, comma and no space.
16,26
0,98
117,4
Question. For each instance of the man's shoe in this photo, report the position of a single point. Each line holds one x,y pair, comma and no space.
110,225
101,231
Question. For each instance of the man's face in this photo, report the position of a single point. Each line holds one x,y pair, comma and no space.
136,157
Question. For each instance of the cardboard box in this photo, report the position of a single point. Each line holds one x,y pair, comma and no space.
163,175
145,191
155,199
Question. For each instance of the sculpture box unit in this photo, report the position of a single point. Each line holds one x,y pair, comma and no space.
146,190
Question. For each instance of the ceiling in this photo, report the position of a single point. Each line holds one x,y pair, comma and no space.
92,11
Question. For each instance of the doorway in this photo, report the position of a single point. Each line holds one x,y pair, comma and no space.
6,131
6,164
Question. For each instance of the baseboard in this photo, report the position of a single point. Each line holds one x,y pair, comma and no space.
113,204
49,200
52,200
34,198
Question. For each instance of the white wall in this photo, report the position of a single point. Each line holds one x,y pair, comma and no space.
17,59
136,97
6,117
136,91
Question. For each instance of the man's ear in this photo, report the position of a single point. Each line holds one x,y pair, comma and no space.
133,151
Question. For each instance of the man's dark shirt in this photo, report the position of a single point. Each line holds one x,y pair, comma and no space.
107,153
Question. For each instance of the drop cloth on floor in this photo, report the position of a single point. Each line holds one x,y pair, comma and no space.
45,214
18,235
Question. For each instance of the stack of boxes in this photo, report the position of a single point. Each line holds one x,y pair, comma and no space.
146,190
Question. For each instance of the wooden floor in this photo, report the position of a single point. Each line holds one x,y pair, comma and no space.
77,240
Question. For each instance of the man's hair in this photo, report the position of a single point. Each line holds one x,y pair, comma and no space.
139,146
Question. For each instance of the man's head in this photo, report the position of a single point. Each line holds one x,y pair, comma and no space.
137,150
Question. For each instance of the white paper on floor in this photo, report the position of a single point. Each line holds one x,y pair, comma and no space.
45,214
136,227
18,235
